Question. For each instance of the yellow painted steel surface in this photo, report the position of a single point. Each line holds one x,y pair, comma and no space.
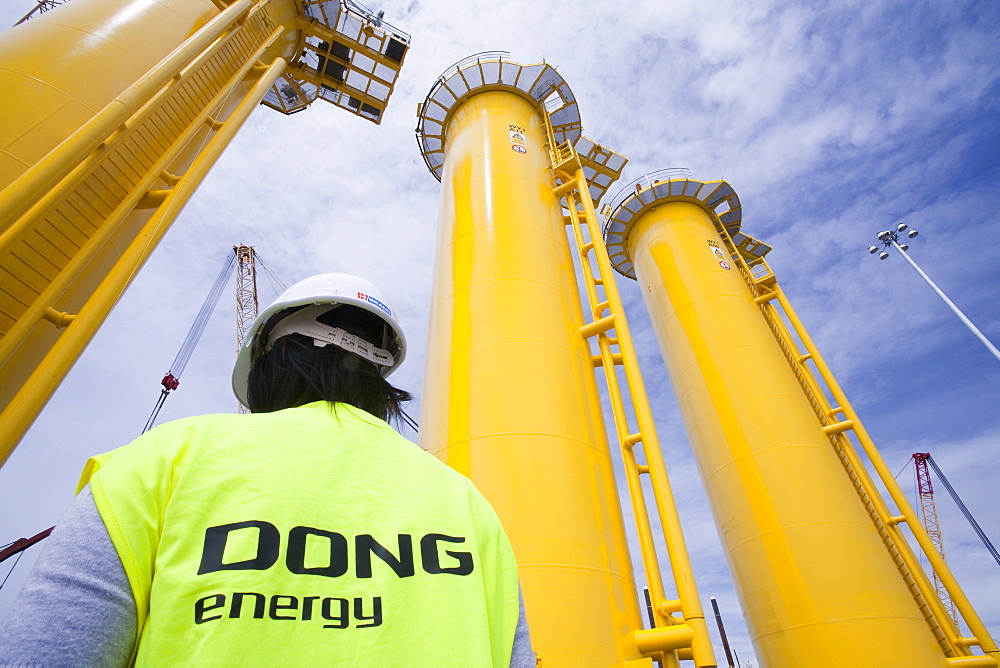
817,585
510,397
126,107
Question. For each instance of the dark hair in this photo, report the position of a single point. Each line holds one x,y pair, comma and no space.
295,372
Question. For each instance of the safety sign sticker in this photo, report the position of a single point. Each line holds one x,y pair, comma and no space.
724,265
517,139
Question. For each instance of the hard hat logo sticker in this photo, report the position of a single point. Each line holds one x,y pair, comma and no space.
371,300
518,148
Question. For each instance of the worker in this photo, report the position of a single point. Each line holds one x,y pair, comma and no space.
308,531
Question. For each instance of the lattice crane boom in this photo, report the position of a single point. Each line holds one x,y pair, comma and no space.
928,510
247,305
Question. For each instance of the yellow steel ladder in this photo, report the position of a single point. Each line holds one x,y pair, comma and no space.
679,630
838,421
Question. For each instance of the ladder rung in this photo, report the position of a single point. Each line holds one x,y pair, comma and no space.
616,358
632,439
764,298
569,186
664,638
642,468
838,427
587,247
601,308
805,358
598,326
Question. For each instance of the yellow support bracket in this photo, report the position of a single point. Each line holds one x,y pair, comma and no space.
664,639
58,318
153,199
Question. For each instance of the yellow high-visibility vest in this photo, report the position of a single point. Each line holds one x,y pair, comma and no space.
310,535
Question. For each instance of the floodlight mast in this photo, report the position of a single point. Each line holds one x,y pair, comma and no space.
891,238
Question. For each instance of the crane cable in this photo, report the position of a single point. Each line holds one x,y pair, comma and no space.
173,376
965,511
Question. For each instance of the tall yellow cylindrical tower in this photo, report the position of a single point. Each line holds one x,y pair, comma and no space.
510,398
817,585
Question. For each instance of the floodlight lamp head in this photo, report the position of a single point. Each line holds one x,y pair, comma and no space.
911,233
901,227
904,246
873,249
883,255
882,236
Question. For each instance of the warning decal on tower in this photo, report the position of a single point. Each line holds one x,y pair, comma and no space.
517,141
718,254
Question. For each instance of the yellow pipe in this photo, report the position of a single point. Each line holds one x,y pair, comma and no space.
18,415
816,584
510,396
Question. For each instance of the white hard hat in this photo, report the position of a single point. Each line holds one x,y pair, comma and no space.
329,290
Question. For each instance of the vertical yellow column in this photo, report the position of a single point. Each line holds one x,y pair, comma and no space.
817,585
510,397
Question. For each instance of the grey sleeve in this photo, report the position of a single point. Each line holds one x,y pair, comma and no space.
76,608
522,656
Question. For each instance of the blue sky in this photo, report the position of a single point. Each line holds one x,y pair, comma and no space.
830,123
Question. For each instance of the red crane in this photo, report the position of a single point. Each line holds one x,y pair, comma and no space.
925,490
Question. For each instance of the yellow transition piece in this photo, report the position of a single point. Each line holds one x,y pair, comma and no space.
817,585
510,397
